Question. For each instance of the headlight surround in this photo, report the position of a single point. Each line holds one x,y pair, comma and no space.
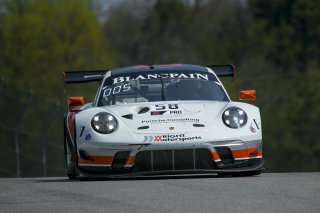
234,117
104,123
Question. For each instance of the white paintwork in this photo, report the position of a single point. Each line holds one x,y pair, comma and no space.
200,112
129,137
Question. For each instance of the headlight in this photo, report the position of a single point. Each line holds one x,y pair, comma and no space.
234,117
104,123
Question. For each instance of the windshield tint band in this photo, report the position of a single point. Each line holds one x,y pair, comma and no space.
160,75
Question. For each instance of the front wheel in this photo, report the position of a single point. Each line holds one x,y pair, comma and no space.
71,164
71,158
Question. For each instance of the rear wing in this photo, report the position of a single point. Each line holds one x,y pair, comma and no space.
73,77
224,70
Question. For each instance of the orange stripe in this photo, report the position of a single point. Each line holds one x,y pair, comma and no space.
215,156
130,160
255,154
244,153
96,160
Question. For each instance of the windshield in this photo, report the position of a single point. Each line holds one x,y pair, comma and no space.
150,87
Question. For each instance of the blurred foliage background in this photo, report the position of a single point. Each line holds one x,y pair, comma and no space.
275,46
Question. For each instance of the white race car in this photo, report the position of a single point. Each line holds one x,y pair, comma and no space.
161,120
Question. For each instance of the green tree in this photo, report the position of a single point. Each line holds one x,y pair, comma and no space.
290,31
171,31
40,39
286,72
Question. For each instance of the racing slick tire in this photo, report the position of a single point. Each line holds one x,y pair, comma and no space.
70,158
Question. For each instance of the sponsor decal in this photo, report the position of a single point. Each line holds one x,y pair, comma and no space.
115,90
170,120
170,138
166,106
148,138
158,138
157,112
158,76
177,112
160,109
252,129
88,137
82,131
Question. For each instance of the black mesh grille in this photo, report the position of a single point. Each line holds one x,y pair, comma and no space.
183,159
204,159
163,160
143,162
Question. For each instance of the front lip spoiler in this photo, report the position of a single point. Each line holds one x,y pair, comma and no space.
257,167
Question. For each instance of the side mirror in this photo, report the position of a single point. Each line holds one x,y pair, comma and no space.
74,102
248,95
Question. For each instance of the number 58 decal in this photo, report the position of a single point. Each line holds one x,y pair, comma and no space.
166,106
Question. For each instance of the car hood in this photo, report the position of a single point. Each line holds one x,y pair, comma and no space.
168,117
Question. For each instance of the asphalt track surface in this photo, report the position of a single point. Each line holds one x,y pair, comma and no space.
270,192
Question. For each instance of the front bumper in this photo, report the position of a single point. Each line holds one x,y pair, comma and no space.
164,159
258,167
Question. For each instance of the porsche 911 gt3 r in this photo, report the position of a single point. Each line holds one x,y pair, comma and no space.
161,120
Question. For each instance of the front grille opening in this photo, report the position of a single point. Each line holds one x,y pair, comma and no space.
143,162
162,160
225,155
120,159
183,159
204,159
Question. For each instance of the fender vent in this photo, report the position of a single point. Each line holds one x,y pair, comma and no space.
84,155
144,110
143,127
120,159
198,125
129,116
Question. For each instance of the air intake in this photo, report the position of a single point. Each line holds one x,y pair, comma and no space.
120,159
164,160
225,155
